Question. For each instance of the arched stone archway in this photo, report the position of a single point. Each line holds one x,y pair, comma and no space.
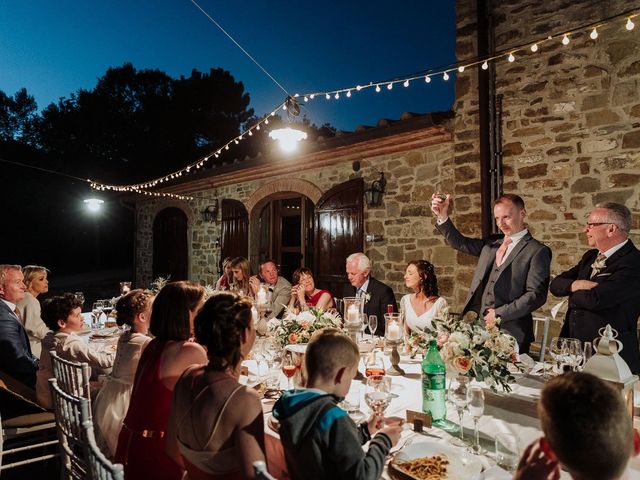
172,202
261,196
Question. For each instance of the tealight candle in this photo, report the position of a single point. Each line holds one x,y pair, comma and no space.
393,332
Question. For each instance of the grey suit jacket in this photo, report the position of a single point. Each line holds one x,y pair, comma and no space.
522,282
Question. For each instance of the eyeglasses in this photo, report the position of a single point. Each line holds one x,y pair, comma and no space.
590,225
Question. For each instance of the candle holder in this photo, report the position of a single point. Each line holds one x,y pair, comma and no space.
264,308
393,334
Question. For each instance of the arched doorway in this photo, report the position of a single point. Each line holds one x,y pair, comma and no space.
285,232
170,247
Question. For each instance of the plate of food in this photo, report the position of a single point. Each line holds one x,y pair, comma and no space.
434,461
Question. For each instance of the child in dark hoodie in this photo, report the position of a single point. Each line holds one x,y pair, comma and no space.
320,440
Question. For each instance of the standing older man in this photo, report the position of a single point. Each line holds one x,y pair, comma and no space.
512,276
15,352
604,286
279,286
376,294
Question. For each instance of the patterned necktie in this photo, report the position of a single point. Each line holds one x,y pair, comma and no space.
598,265
19,315
500,254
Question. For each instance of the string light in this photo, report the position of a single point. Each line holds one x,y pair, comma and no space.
141,188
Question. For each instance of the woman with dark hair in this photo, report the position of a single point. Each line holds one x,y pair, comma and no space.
112,402
141,444
216,428
424,304
305,294
35,278
63,316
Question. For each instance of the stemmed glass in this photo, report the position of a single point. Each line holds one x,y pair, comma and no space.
289,369
459,398
373,325
587,352
96,312
373,364
558,351
475,395
377,394
574,352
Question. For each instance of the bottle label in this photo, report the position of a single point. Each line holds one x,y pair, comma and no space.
434,381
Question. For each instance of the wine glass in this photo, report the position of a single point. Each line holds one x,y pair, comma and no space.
475,395
96,312
80,297
574,352
373,325
587,352
373,365
558,351
289,369
107,308
459,398
377,394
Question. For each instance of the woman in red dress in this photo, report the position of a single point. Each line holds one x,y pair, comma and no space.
305,294
141,444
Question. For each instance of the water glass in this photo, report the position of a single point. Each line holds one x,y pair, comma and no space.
458,396
587,352
351,403
96,313
574,352
507,451
475,395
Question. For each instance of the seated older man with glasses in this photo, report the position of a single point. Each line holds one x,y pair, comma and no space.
603,287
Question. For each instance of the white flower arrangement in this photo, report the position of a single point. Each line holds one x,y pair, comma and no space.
298,328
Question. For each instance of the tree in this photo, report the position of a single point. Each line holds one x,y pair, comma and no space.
17,117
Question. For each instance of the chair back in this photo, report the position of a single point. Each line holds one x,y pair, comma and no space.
100,468
72,377
70,412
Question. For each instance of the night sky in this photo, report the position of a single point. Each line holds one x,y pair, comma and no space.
55,48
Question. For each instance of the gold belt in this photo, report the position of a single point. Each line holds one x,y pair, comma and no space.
145,433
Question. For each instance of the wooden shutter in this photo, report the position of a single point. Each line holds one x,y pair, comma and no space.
235,229
339,232
170,248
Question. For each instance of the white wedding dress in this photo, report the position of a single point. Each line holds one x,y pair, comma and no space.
415,322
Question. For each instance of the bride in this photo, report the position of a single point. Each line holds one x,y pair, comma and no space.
424,304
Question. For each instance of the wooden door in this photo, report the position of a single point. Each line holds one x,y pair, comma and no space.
339,232
170,247
235,229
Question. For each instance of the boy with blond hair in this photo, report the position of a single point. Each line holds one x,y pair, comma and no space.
587,430
320,440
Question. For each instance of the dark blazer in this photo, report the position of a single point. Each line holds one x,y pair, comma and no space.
614,301
15,351
380,295
522,281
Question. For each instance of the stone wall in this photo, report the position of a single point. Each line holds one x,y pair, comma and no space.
571,122
404,219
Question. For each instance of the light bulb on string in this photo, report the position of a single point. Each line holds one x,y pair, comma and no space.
348,93
358,88
461,68
306,99
406,83
427,79
337,96
534,47
445,77
266,121
511,58
284,107
389,86
565,39
594,33
312,96
327,96
629,25
250,133
485,65
377,88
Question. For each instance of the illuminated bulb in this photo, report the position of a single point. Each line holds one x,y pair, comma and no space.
288,138
534,47
594,33
266,121
358,88
337,96
406,83
236,142
348,93
306,99
389,86
427,79
511,58
226,147
257,128
378,88
565,39
445,77
250,133
327,96
629,25
312,96
297,95
461,68
485,65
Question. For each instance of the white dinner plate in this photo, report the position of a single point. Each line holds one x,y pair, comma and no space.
462,466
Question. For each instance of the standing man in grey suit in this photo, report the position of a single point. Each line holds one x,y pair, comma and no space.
512,276
604,286
377,295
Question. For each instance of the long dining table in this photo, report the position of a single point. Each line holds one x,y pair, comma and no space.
513,412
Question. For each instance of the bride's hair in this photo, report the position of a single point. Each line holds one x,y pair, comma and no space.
428,279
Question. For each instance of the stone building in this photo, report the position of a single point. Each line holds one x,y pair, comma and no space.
560,126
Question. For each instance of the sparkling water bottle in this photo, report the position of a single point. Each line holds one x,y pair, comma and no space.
434,385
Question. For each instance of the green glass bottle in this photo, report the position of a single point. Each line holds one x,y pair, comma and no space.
434,389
